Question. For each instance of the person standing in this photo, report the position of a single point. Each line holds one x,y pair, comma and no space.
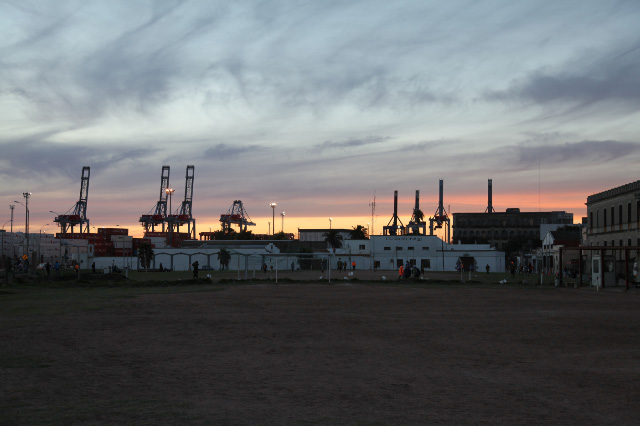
195,269
93,268
401,272
293,266
407,270
488,268
353,265
56,267
48,268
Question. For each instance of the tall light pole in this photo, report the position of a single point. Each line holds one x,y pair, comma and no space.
2,231
170,192
330,220
11,206
273,208
282,229
26,196
40,242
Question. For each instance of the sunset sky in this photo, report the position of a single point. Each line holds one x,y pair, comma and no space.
316,105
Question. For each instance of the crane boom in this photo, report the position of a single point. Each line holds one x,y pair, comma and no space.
184,214
158,215
77,215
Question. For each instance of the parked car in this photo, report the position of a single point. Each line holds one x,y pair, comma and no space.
41,266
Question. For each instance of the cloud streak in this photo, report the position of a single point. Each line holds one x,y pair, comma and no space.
352,142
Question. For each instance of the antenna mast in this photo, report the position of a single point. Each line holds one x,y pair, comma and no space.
373,214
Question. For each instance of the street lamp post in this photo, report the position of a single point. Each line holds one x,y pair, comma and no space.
26,196
273,208
170,192
2,231
40,242
282,229
330,220
12,207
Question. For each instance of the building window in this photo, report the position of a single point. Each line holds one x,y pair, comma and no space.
387,248
409,248
425,263
591,220
605,243
398,248
604,217
425,248
361,246
620,215
613,215
629,213
629,242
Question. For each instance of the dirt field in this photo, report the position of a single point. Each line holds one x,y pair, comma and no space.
316,354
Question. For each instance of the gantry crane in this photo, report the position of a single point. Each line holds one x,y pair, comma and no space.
77,215
441,217
394,229
184,214
158,214
236,215
417,226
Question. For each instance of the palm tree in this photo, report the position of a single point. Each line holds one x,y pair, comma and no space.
333,238
224,257
145,254
358,233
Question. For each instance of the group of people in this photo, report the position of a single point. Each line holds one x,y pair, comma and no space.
407,271
344,265
522,269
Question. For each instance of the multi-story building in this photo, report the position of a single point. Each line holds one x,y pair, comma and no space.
614,220
614,216
498,228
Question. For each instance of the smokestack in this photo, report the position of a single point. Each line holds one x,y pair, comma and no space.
490,200
395,208
417,201
441,199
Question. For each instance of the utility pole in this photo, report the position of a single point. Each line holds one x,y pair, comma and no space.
12,206
273,214
26,196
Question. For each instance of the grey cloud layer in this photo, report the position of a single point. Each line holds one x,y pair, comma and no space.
615,79
303,96
37,158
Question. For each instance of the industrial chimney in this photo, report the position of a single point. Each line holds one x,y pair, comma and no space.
490,201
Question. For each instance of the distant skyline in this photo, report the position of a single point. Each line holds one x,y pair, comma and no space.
316,106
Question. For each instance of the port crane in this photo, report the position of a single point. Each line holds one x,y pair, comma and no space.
236,215
441,217
158,215
77,215
184,216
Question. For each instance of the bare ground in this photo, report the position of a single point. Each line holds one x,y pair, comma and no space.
344,354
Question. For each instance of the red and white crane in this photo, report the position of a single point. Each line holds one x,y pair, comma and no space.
158,215
184,215
77,215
